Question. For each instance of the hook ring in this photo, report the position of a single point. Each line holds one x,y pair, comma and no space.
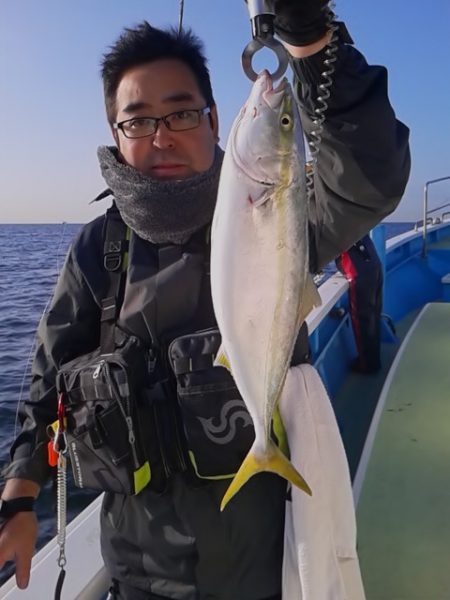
257,44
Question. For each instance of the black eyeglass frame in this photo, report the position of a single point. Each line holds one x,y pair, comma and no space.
157,120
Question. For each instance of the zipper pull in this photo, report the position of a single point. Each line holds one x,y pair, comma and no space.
98,369
131,436
132,441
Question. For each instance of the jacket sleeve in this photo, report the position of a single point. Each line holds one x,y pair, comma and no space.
69,328
363,162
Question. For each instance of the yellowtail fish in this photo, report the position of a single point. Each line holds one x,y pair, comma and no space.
261,286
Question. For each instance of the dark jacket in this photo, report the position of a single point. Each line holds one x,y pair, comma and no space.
178,545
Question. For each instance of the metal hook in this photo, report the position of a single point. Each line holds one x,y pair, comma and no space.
253,47
262,15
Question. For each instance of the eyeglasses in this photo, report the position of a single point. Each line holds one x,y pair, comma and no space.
181,120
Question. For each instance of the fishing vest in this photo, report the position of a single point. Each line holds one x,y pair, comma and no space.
182,413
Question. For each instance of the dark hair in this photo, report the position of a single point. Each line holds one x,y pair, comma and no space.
143,44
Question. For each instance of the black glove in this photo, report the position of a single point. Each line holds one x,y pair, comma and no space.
301,22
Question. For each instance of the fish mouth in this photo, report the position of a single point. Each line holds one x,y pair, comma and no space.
272,96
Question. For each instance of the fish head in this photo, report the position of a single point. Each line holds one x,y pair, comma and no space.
267,138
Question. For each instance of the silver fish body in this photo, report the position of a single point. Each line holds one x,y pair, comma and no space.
261,286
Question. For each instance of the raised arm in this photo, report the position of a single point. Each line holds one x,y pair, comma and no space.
363,163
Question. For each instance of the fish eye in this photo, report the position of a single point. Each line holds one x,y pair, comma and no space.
286,122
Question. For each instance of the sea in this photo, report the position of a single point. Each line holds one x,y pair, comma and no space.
31,258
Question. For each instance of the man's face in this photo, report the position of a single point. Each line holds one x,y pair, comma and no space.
154,90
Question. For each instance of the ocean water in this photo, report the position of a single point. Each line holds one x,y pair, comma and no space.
32,256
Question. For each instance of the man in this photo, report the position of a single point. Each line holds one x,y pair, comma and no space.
163,174
362,268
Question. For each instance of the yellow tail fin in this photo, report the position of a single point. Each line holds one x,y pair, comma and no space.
274,461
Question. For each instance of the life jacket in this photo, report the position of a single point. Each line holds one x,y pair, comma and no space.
187,414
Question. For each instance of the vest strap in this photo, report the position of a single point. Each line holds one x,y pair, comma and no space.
115,248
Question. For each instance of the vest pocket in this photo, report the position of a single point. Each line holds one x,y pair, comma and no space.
109,420
217,425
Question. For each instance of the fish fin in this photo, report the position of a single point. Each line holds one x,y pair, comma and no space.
222,360
274,461
311,299
262,199
312,293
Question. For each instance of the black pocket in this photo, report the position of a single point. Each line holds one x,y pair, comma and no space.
217,425
92,467
107,419
110,430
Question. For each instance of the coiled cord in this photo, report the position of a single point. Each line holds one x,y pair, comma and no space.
324,94
62,508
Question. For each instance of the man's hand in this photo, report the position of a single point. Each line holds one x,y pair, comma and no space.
19,533
301,22
17,542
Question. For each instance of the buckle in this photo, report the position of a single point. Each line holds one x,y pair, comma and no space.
112,262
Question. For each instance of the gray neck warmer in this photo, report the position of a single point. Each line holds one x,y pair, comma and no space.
161,211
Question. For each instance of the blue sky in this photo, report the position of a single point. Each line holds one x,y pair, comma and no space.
51,105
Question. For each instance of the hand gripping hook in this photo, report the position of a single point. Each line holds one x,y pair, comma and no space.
262,14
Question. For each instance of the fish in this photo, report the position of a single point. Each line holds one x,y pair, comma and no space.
261,286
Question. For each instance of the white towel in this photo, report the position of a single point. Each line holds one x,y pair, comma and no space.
320,559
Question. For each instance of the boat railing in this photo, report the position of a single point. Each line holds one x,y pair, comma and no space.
426,212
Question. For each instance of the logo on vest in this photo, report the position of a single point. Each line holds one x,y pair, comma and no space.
76,462
232,411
